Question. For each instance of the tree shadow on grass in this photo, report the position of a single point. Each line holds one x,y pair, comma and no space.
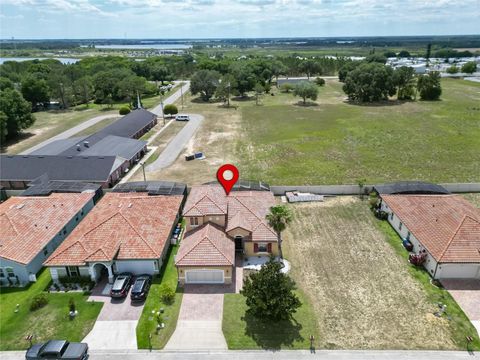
273,335
22,136
307,104
380,103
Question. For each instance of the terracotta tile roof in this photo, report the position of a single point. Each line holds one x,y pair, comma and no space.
120,226
206,246
29,223
244,209
447,225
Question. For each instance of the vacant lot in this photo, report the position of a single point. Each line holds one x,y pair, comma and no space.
361,290
49,322
335,142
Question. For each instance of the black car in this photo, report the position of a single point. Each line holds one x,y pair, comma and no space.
140,288
58,349
121,285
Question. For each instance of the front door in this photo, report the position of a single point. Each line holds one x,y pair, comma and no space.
238,244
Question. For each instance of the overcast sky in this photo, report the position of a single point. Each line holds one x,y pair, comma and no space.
35,19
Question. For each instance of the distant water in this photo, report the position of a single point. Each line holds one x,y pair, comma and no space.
172,46
62,60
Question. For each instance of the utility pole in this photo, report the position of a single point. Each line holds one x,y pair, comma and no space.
181,93
161,105
143,168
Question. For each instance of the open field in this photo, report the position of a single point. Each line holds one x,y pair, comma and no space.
97,127
335,142
474,198
49,322
362,291
147,323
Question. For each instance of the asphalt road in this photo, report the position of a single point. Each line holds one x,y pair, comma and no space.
269,355
176,145
70,132
172,98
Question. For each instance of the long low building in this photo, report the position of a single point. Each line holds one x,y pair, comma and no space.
446,228
17,171
125,232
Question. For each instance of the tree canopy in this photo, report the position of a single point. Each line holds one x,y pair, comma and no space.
370,82
306,90
270,293
205,83
15,114
469,67
429,86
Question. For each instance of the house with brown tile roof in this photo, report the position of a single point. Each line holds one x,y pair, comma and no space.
125,232
445,227
32,228
236,223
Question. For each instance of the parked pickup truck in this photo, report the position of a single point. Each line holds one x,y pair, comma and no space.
58,349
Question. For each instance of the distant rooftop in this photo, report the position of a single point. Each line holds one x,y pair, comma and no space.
153,187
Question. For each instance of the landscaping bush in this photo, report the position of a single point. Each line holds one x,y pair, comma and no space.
38,301
286,88
167,294
320,81
83,281
170,109
124,110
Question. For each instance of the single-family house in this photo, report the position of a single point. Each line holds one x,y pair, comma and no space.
446,228
217,227
125,232
32,228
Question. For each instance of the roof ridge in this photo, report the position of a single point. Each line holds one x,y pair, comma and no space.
246,207
11,223
101,223
195,243
215,246
63,250
455,233
141,237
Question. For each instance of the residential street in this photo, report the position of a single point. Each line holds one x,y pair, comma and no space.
172,98
269,355
178,143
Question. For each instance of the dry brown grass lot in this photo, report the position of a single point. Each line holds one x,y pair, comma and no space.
360,288
216,138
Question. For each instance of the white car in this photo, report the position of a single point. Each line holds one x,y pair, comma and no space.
182,118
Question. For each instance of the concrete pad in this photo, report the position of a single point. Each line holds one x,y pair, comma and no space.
112,335
197,335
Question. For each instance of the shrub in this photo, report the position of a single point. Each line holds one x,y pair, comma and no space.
287,87
170,109
167,294
469,67
124,110
319,81
38,301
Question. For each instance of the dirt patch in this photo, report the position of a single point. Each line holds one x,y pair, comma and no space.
360,289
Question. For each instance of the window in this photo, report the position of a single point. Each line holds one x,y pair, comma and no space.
2,273
155,265
262,247
81,213
73,271
45,251
408,235
400,226
391,216
194,221
10,272
64,231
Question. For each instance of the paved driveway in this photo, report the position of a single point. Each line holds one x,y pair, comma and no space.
116,324
466,293
199,325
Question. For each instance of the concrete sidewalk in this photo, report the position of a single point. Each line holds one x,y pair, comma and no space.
269,355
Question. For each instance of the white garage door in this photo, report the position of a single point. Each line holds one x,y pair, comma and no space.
204,277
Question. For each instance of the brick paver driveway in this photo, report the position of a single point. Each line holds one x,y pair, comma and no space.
466,293
116,324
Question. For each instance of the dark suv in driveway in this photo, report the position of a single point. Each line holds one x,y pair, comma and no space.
58,349
140,288
121,285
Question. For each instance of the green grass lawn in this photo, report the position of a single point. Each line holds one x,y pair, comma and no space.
147,323
460,325
242,331
49,322
335,142
97,127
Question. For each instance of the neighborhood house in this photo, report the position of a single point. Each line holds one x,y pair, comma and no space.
32,227
218,226
444,229
125,232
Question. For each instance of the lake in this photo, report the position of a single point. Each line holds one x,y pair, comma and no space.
62,60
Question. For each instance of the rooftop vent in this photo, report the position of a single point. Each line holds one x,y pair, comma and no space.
78,147
86,144
130,205
19,206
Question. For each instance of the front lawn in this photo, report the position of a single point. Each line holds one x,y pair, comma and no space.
49,322
147,323
243,331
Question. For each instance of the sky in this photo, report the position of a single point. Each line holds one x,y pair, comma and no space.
85,19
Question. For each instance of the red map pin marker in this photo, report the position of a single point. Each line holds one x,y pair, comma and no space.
227,176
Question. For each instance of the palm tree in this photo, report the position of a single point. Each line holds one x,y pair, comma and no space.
278,218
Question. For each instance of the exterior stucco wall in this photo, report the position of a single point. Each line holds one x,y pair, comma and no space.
456,271
227,272
248,247
19,270
216,219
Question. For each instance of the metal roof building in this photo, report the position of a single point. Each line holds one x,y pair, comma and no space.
153,187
